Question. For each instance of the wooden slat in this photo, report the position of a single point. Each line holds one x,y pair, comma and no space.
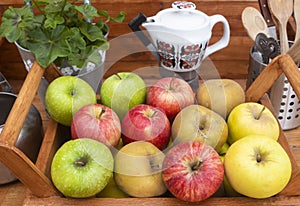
19,111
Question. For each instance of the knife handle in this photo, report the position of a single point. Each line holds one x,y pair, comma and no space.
264,8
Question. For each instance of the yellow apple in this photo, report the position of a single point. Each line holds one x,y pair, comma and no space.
257,166
138,167
198,123
228,190
220,95
251,118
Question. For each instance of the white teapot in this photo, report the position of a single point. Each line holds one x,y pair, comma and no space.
180,35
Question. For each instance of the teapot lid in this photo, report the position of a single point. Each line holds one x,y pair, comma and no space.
182,15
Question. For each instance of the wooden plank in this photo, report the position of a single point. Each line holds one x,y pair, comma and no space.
237,201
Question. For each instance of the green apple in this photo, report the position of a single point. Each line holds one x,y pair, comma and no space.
251,118
224,149
220,95
122,91
257,166
65,96
82,168
196,122
112,190
138,167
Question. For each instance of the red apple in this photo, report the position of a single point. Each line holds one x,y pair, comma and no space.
97,122
192,171
171,94
146,123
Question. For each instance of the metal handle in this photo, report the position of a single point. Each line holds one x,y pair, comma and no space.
134,25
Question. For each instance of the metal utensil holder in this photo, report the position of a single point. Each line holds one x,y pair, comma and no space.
283,98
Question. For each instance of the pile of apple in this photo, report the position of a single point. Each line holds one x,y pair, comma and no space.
164,139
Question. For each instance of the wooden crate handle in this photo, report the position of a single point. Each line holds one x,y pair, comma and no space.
281,64
13,158
20,109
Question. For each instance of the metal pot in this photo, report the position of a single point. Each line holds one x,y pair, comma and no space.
30,137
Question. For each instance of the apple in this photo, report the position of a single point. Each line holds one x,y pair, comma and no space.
82,168
220,95
251,118
65,96
122,91
224,149
138,168
171,94
228,190
112,190
146,123
97,122
198,123
257,166
192,171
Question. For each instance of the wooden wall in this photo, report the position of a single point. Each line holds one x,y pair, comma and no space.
231,62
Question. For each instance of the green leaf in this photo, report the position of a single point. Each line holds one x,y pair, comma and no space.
75,40
52,20
120,18
104,14
47,46
87,10
16,21
55,6
92,32
88,55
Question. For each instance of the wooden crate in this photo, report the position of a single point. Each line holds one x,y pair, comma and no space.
36,176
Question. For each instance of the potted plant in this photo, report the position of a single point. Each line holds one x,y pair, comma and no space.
60,30
69,33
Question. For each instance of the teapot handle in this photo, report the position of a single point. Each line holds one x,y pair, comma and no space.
223,42
134,25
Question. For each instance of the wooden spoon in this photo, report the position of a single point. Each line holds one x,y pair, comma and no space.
297,18
282,11
254,22
294,51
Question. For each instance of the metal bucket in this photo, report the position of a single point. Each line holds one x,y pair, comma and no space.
30,137
283,98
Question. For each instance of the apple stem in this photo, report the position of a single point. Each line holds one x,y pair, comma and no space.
153,114
101,113
171,84
118,76
258,157
195,165
81,162
260,113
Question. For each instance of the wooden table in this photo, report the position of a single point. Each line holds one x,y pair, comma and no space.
14,193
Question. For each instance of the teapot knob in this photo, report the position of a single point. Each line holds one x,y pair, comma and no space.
183,5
